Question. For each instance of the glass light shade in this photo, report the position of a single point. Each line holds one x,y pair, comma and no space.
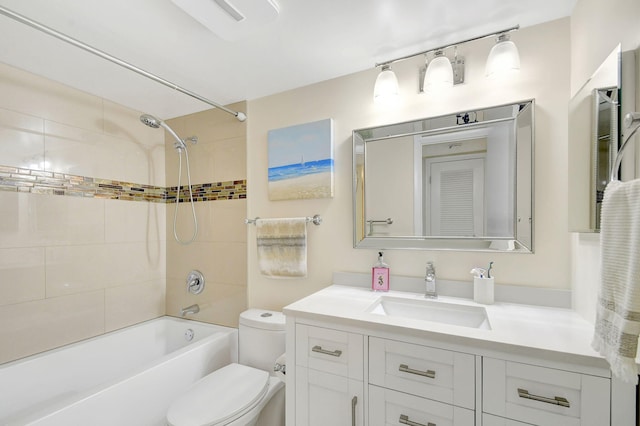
386,87
503,58
439,75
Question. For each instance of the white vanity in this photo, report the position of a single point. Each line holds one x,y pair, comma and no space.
357,357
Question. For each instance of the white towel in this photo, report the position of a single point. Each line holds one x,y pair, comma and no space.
282,247
618,312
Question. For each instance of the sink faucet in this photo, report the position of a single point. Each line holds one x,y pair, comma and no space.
430,281
193,309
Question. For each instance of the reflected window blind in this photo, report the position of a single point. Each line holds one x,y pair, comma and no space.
456,203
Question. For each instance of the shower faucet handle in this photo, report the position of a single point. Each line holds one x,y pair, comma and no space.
195,282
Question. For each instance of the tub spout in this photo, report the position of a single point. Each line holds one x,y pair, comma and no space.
193,309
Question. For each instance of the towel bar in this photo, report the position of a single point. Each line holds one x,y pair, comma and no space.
316,220
631,119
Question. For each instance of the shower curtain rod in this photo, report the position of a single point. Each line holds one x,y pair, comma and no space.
50,31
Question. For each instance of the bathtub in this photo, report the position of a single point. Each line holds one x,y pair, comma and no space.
127,377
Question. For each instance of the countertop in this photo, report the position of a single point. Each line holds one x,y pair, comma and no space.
515,327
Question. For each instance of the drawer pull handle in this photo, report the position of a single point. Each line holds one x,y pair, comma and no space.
556,400
429,373
354,401
319,349
404,419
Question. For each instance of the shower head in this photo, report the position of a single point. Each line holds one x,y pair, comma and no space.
150,120
156,123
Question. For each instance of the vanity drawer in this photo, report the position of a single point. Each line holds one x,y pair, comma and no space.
331,351
544,396
490,420
427,372
388,407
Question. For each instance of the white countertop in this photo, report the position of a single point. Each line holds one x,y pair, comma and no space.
513,326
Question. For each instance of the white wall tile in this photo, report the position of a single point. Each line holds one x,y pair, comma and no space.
127,221
223,220
56,220
21,275
131,304
31,327
21,140
77,269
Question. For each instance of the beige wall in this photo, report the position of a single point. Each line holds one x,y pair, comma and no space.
220,249
75,267
348,100
597,27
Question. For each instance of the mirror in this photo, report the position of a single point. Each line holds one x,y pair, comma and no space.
595,135
456,182
593,143
604,146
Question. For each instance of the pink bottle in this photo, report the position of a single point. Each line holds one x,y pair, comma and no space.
380,275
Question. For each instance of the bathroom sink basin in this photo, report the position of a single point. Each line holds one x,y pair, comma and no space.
431,310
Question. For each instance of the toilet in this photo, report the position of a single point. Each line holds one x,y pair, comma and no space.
248,393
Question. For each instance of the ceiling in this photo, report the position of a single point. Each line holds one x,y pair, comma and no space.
309,41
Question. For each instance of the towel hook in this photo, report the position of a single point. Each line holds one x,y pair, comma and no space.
631,119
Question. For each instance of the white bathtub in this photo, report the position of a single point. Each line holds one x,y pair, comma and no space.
127,377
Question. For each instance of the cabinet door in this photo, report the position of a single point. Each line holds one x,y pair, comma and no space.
544,396
324,399
388,407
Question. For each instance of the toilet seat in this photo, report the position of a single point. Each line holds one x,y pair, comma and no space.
220,397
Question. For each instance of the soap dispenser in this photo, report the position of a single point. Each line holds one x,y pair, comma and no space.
380,275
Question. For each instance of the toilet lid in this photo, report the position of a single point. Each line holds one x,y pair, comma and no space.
219,397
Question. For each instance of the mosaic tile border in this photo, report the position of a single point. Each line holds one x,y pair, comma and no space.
16,179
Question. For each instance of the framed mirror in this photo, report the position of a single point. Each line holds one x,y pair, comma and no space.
461,181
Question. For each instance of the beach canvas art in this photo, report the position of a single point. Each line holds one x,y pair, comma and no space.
301,161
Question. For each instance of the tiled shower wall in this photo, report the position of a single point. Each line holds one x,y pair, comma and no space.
76,259
220,250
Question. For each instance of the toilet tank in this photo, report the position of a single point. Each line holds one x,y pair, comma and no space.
261,338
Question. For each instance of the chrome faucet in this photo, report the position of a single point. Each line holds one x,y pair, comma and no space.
430,282
193,309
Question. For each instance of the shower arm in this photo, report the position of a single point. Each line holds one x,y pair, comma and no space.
50,31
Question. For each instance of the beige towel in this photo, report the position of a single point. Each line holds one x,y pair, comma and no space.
282,247
618,312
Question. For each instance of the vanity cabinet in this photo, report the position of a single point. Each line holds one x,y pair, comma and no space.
544,396
357,376
328,377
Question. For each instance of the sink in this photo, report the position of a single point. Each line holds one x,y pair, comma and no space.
431,310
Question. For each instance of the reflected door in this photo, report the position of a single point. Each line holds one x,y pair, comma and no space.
455,197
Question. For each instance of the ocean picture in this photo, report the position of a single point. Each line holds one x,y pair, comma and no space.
301,161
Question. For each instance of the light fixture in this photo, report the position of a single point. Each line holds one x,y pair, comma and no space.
503,58
386,87
439,73
442,72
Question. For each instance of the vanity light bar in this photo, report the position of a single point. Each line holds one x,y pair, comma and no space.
496,33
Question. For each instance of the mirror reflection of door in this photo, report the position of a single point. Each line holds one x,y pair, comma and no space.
454,198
